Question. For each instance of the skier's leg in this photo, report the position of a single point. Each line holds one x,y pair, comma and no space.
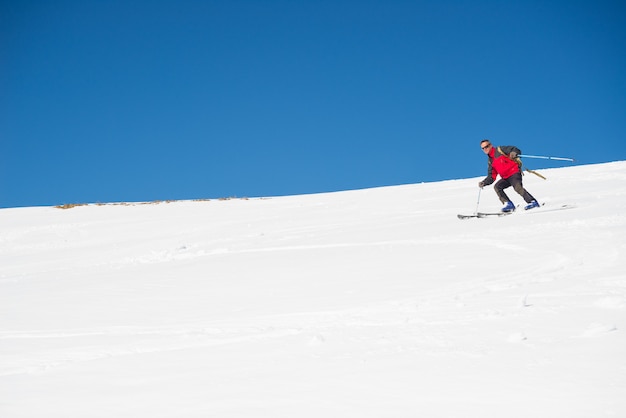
499,188
516,181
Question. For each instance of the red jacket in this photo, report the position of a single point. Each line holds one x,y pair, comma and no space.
500,163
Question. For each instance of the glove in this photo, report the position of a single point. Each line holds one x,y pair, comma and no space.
513,155
481,184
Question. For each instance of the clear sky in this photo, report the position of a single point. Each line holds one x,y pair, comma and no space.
122,100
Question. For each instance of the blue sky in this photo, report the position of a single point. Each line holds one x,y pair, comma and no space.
106,101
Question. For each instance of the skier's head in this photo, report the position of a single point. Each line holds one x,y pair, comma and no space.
485,144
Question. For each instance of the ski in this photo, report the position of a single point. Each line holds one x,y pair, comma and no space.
540,209
483,215
543,208
460,216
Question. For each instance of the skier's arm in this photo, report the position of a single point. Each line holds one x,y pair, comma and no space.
490,176
486,182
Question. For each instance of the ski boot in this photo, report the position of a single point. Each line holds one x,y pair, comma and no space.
509,207
531,205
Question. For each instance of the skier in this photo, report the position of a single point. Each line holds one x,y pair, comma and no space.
503,160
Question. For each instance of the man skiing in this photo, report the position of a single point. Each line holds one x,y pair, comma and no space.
502,161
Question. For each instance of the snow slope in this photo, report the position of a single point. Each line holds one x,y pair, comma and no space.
368,303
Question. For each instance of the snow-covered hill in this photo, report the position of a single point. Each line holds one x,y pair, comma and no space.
368,303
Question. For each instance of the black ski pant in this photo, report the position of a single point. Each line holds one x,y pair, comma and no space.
516,181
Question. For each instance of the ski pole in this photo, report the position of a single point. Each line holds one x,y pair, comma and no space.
478,201
547,158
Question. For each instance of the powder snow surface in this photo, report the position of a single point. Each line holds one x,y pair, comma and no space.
367,303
